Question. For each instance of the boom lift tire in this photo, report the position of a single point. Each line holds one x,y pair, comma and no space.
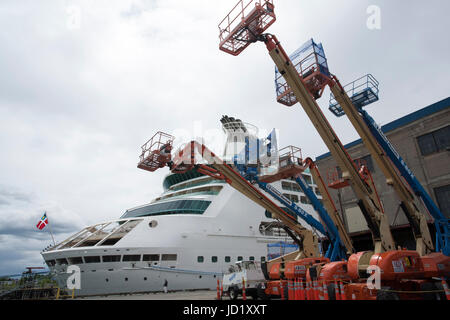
387,295
429,286
261,293
233,293
331,291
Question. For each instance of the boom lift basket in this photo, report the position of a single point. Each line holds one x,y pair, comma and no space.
361,92
311,64
245,22
156,152
337,181
290,165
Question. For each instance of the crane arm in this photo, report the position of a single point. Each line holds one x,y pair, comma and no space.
329,206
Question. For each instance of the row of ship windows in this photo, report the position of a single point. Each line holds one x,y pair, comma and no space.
145,278
227,259
113,258
172,207
135,258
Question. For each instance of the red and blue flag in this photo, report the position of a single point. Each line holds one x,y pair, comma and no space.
43,222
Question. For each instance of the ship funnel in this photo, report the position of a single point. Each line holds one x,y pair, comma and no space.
237,133
244,146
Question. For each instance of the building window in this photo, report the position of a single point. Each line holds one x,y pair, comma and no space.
200,259
240,258
111,258
92,259
286,185
169,257
252,258
150,257
61,261
214,259
289,186
50,263
296,187
308,179
131,257
263,259
434,142
442,138
292,197
365,161
75,260
339,172
317,191
443,199
304,200
227,259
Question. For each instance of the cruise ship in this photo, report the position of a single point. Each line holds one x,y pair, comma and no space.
188,236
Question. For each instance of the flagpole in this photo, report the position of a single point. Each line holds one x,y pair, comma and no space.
50,230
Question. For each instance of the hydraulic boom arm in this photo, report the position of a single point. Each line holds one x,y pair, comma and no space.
329,205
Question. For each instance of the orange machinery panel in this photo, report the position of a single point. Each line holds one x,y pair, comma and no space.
436,265
298,269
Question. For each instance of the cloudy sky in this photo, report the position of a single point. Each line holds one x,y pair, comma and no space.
83,84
